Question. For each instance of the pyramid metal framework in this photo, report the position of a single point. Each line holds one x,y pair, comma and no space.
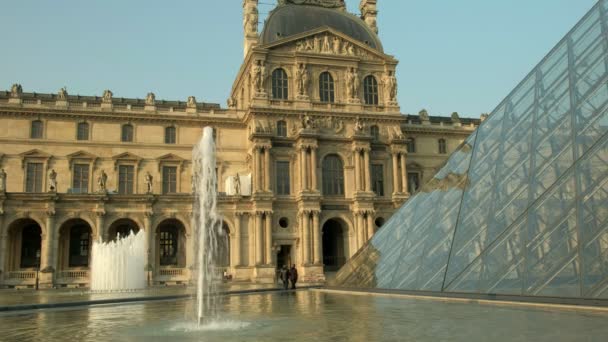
521,207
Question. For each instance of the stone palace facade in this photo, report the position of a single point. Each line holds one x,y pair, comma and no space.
312,133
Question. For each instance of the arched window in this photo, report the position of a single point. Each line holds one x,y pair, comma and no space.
127,133
333,176
170,135
375,132
168,245
279,84
411,145
443,149
82,131
370,90
326,88
281,128
36,131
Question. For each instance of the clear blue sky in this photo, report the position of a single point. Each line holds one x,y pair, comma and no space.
463,55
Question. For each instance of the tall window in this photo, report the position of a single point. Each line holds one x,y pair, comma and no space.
333,176
126,179
443,149
282,174
378,179
168,246
413,182
36,131
326,87
169,179
80,239
80,181
411,145
375,132
82,131
370,90
33,177
127,133
279,84
170,135
281,128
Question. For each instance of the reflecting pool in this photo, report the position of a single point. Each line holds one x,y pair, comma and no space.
308,316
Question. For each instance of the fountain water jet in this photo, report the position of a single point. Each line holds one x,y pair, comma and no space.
119,265
207,225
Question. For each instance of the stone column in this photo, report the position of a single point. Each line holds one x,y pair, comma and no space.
367,171
150,246
313,168
268,236
317,239
403,174
258,169
396,177
357,170
259,246
3,245
361,232
47,252
306,240
237,239
370,225
99,222
251,238
303,166
267,169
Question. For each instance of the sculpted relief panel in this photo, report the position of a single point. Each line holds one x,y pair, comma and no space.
329,44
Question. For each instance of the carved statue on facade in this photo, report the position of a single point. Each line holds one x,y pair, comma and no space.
63,94
231,102
191,102
398,133
53,181
390,87
424,115
149,183
302,80
102,181
250,21
16,90
359,126
257,76
2,181
337,45
308,122
237,185
150,99
352,83
483,117
326,45
455,117
107,96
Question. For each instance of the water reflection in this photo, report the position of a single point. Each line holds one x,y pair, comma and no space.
308,316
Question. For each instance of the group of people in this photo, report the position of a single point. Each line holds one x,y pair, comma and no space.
289,275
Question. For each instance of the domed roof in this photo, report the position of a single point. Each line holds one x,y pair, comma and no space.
287,20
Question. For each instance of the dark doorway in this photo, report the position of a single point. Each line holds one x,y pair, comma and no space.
30,245
284,256
333,246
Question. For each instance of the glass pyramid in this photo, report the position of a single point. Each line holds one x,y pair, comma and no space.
521,208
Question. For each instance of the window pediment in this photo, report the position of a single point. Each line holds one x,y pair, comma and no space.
81,157
34,155
126,158
170,159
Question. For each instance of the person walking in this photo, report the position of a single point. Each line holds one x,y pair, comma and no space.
284,275
293,276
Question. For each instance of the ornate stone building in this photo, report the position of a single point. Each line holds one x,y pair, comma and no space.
313,136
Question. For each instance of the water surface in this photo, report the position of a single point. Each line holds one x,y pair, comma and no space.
308,316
